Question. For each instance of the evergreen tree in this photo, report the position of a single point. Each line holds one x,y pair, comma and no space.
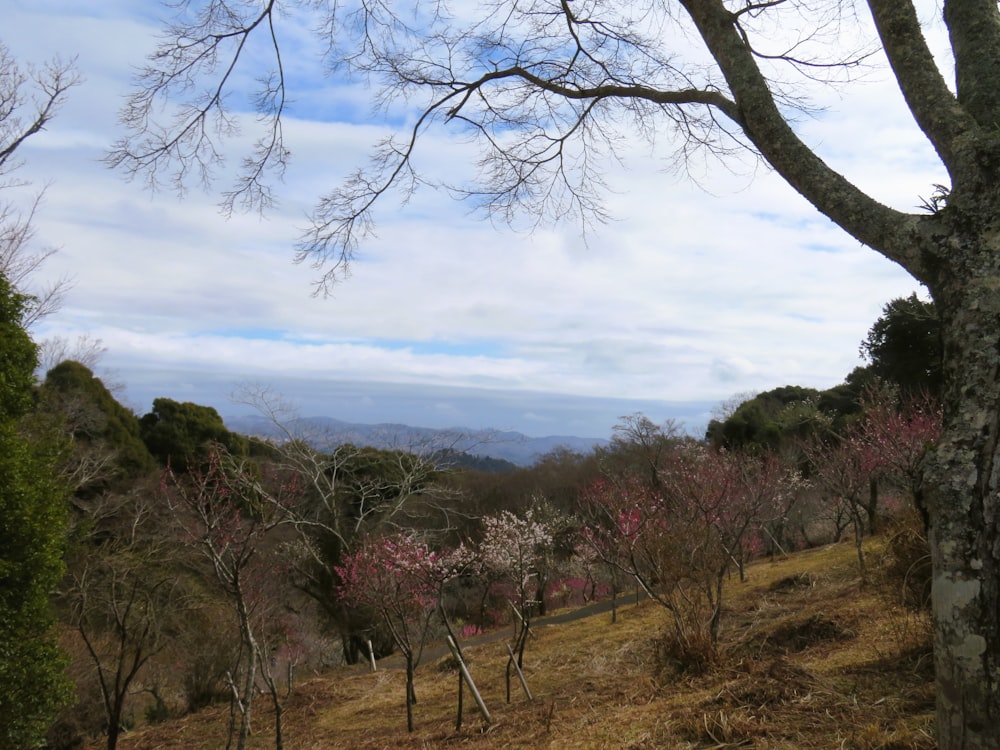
32,522
180,434
904,345
96,421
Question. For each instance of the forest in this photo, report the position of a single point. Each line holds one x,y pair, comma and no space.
187,565
154,566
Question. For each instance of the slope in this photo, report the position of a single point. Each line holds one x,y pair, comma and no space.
811,659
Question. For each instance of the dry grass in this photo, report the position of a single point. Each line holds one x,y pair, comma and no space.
811,659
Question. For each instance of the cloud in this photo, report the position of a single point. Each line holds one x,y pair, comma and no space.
732,369
692,293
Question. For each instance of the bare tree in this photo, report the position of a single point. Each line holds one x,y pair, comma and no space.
638,441
123,596
843,467
86,350
348,493
544,87
29,99
228,513
727,407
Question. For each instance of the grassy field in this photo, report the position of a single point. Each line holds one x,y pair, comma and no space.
811,658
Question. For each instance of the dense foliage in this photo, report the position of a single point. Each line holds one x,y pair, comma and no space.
178,434
903,350
32,527
904,345
97,422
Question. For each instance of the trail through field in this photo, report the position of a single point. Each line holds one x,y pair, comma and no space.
439,649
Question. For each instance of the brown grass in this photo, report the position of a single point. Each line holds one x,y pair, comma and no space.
810,659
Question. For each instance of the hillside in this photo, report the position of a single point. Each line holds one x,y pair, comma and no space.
327,432
811,659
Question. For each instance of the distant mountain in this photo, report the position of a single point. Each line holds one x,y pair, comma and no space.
326,433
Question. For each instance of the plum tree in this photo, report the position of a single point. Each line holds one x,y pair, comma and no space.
545,85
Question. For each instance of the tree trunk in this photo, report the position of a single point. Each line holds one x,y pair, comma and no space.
960,495
266,667
715,623
114,726
248,695
859,547
245,701
872,507
540,601
614,597
411,697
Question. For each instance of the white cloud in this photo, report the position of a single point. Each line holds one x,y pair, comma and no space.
691,295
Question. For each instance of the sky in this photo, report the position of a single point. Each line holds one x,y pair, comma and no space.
691,294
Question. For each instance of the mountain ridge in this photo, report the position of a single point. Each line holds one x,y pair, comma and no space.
328,432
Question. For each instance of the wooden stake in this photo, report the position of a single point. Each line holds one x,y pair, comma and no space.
468,680
520,674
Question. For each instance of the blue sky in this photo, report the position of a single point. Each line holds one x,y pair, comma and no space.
693,293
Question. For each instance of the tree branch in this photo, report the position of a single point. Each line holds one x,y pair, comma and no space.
193,51
934,107
890,232
974,30
53,81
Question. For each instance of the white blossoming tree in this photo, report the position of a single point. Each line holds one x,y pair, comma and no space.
512,549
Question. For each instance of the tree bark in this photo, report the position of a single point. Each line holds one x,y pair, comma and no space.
960,495
410,695
872,507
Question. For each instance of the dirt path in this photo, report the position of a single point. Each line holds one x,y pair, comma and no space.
438,649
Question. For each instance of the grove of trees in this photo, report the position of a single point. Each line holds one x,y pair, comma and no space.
32,538
186,565
541,85
537,84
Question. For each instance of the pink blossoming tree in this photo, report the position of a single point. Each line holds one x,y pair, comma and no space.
399,579
680,538
898,434
627,529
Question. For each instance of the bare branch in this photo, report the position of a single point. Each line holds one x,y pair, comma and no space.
21,262
18,125
934,107
540,87
28,101
210,47
548,91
